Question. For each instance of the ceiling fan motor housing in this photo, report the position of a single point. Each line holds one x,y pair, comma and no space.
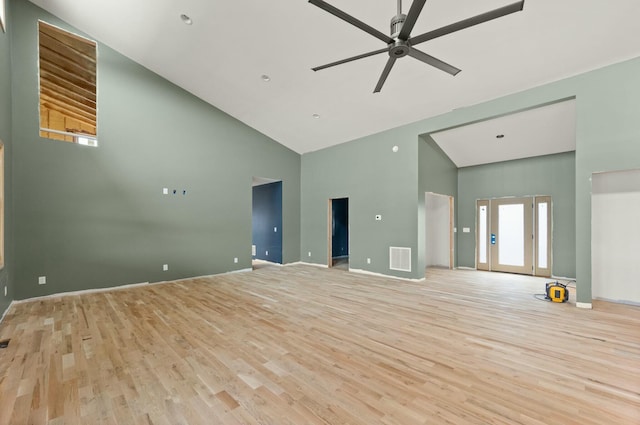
396,24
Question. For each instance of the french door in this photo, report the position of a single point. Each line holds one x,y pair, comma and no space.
514,235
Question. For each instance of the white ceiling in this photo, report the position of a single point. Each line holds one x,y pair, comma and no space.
540,131
221,57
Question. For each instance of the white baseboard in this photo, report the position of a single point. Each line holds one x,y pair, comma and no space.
367,272
121,287
199,277
584,305
271,263
85,291
307,264
4,313
626,302
570,279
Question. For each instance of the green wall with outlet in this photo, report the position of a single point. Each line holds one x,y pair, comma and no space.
607,139
377,181
90,218
96,217
5,136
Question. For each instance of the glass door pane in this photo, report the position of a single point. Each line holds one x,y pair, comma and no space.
511,231
512,235
543,236
482,235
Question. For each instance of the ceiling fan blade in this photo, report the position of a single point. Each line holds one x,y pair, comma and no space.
353,58
385,74
412,17
469,22
350,19
428,59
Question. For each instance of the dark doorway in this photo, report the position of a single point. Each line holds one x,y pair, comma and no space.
339,234
267,222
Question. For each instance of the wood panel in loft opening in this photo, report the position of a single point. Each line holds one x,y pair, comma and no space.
68,94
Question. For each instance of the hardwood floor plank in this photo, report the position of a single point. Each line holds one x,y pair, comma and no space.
306,345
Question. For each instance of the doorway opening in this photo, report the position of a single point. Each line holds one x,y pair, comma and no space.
439,245
513,235
266,223
615,236
338,235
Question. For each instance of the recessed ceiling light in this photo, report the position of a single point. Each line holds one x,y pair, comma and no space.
499,136
186,19
316,116
265,78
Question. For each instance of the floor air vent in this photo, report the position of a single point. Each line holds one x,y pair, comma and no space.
400,258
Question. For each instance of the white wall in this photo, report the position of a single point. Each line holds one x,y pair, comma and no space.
615,236
437,230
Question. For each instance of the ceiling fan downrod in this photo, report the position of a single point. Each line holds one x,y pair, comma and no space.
397,21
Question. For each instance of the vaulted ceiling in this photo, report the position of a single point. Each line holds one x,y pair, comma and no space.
230,45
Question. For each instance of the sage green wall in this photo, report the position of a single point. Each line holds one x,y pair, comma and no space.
545,175
96,217
608,135
377,181
607,139
5,136
437,174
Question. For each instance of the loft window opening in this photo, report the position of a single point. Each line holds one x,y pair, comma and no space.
68,88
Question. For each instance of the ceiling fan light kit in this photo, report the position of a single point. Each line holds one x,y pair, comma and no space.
400,43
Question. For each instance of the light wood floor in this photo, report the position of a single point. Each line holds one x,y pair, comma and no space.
305,345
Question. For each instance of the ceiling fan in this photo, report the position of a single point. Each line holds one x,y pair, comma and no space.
401,44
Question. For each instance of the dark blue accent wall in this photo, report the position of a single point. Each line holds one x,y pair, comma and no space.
267,221
340,235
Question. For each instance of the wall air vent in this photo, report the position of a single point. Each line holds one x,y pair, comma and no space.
400,258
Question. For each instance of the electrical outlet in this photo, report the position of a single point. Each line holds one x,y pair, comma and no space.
309,253
368,260
165,190
5,290
42,280
266,253
275,230
165,267
235,259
